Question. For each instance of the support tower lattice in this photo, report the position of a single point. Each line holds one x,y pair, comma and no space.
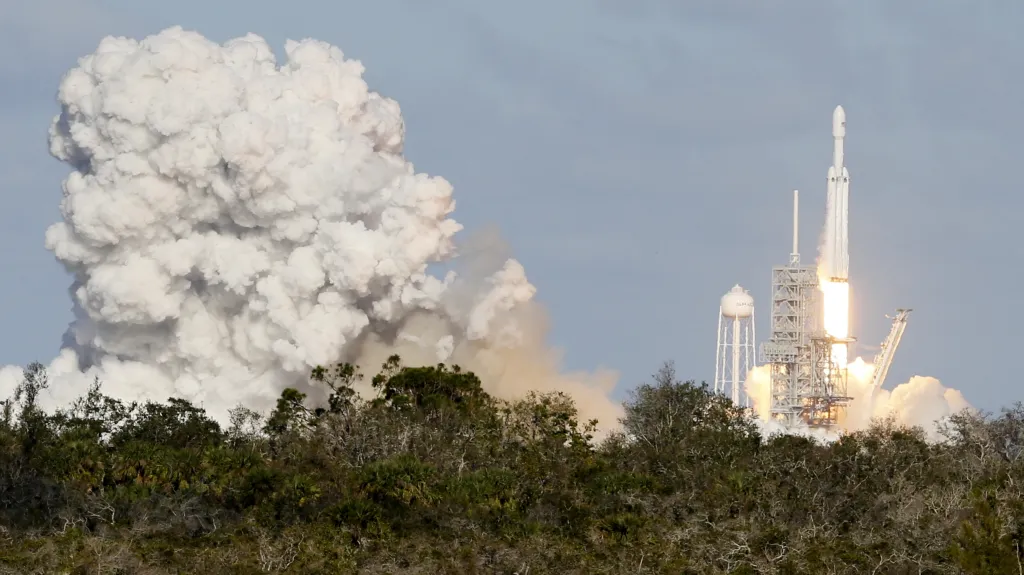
807,385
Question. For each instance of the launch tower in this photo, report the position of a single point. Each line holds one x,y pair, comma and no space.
807,383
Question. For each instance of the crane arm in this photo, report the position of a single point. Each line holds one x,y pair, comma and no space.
883,361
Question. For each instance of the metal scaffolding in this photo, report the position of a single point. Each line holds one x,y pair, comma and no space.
807,385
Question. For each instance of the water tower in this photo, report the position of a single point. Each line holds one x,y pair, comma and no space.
736,353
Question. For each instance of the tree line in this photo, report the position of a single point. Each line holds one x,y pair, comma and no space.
433,475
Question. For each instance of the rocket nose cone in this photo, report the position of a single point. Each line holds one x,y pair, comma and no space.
839,121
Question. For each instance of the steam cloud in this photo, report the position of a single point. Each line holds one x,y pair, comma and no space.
231,222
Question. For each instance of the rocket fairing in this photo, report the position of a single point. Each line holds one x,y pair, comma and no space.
837,241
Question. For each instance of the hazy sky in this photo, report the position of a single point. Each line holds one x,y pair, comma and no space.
638,157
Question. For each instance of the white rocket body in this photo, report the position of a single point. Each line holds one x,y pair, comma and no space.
837,239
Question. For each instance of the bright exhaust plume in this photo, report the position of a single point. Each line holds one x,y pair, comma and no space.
836,317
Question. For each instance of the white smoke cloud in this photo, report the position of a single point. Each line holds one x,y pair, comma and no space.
922,401
231,222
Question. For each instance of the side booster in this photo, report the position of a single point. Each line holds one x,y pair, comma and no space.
837,240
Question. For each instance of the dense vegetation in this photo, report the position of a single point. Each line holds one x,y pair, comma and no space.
435,476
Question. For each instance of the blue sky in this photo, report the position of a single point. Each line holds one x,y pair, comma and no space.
638,157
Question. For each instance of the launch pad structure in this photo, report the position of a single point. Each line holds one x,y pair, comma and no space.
807,384
808,352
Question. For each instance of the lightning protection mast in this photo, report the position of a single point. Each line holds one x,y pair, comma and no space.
796,305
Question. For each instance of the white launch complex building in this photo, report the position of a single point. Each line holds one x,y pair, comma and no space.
808,365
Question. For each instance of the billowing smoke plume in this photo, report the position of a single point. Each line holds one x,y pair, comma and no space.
922,401
231,222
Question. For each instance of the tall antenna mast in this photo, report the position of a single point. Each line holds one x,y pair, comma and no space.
794,256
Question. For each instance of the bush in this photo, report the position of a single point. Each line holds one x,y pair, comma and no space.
435,476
